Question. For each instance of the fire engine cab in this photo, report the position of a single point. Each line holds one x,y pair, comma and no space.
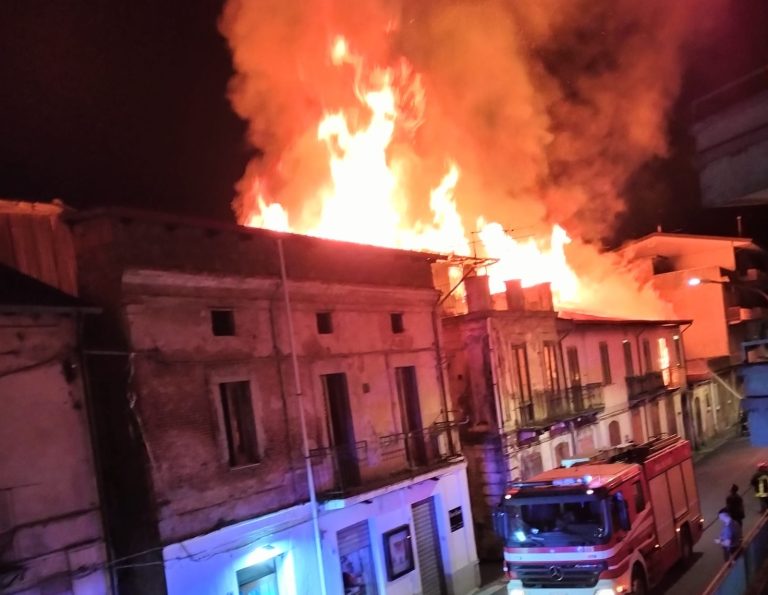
605,525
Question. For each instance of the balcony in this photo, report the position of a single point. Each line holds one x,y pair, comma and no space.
343,471
550,406
652,384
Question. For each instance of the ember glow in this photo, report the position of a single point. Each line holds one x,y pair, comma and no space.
441,127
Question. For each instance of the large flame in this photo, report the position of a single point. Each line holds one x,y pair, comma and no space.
364,200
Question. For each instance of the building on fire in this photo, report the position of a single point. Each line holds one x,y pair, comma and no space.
223,356
538,387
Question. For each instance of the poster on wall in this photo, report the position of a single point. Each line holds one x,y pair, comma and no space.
398,552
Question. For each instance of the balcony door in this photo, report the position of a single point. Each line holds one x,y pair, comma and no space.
574,376
410,413
342,428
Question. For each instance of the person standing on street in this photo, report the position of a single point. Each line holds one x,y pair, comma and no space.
760,484
730,535
735,505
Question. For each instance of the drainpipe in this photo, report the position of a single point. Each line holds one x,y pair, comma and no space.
689,422
98,461
302,420
494,381
441,372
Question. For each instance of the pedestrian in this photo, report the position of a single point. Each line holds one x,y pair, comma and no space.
760,485
735,505
730,535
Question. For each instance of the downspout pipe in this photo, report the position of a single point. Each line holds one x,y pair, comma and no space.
302,419
439,354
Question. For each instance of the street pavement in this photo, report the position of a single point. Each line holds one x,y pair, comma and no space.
732,462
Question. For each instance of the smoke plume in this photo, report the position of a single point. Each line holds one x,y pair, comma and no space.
547,106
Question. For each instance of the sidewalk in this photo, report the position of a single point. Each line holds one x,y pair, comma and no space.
492,581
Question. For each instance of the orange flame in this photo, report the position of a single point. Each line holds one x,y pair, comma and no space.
364,200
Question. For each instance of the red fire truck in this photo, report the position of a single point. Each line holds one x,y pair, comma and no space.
608,525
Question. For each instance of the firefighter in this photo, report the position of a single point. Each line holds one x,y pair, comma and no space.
760,484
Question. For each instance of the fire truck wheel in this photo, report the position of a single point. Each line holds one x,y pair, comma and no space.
639,584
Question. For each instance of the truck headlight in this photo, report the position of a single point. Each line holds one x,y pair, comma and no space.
515,592
607,591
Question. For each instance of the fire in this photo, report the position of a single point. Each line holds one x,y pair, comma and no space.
365,201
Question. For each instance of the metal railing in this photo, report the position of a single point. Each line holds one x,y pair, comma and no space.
738,574
547,405
346,469
653,383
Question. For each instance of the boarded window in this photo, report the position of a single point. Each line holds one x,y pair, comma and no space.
239,423
605,362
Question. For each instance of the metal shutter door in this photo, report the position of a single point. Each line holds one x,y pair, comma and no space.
353,540
428,548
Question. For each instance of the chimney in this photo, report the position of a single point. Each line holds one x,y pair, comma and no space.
515,296
538,298
478,293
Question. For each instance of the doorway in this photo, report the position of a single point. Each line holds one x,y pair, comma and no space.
342,429
410,413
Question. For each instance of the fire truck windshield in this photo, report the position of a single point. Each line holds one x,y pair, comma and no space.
556,521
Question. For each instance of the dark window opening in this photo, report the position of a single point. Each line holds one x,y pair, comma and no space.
223,323
647,356
239,423
396,319
628,365
605,362
324,323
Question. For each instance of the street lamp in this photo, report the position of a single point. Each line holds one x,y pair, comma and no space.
695,281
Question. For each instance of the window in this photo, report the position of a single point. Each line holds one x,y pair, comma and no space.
239,423
629,368
637,487
573,366
324,323
605,362
647,356
552,365
678,349
614,433
396,320
223,323
521,379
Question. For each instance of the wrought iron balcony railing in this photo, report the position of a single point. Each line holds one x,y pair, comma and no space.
654,383
340,471
547,406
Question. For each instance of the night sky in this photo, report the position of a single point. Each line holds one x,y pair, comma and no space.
124,103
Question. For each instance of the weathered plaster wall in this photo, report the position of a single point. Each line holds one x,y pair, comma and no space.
50,517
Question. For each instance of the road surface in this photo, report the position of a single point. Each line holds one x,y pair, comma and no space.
733,462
